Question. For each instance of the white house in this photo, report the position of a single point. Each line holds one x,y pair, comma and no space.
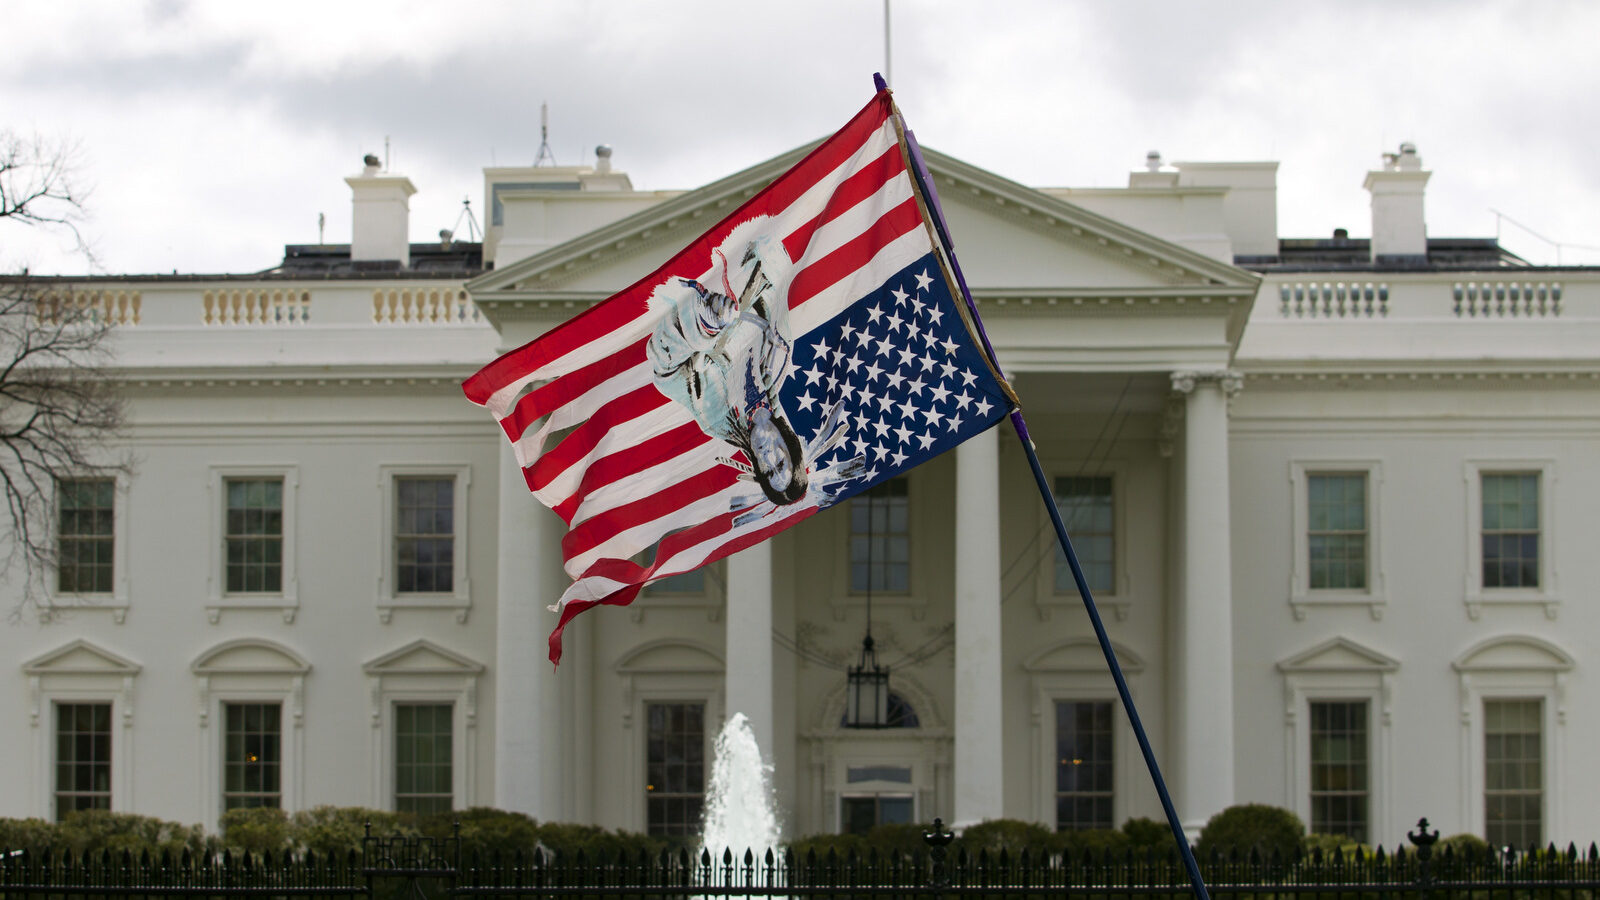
1337,498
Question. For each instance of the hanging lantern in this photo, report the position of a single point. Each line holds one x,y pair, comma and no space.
867,691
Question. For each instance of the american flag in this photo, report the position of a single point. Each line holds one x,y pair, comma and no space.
803,350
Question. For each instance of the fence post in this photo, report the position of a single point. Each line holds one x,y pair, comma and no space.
938,841
1424,840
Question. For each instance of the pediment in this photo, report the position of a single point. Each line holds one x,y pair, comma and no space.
1081,655
1514,653
80,657
1012,241
422,657
250,656
670,656
1338,655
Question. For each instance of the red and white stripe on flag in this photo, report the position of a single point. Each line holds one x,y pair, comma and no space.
632,468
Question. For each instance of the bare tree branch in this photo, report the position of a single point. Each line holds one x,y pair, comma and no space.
61,411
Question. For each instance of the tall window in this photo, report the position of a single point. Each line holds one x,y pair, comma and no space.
675,767
424,778
1340,786
1083,765
1337,533
254,536
84,529
424,535
252,755
880,539
1513,778
1087,511
1511,530
83,757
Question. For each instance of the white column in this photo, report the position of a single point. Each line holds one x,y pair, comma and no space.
527,695
749,636
1203,682
978,759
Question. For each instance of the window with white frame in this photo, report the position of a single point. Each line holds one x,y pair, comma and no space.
1513,772
253,523
1510,557
1510,526
424,713
1340,760
880,538
423,549
1088,509
1513,718
80,708
1337,730
252,742
82,757
1336,539
1084,754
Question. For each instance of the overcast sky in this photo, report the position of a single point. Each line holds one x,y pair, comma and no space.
213,133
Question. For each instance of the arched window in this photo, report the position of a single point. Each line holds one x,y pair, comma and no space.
901,714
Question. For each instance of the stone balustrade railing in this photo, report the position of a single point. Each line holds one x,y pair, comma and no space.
1334,300
1506,299
251,306
423,306
114,306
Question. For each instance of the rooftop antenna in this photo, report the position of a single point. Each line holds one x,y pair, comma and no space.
545,153
322,220
473,232
386,153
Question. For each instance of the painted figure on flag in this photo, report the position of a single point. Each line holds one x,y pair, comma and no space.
725,355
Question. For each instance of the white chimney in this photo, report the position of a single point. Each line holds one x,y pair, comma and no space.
1398,226
602,159
381,216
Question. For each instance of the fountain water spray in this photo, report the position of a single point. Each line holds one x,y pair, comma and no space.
740,809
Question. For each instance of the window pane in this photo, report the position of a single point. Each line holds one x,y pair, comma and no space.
424,535
424,741
1510,539
251,760
1087,511
253,557
83,757
674,767
1336,536
1084,773
880,538
1339,768
84,536
1513,757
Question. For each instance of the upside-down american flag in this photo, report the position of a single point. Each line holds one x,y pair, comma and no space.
804,349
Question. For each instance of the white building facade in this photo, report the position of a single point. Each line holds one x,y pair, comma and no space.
1336,498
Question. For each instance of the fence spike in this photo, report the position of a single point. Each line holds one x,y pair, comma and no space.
769,858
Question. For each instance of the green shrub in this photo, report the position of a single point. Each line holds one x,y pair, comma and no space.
1463,846
97,830
259,830
820,844
1093,843
1149,835
1011,835
485,831
338,830
32,835
1330,844
896,840
1252,827
566,840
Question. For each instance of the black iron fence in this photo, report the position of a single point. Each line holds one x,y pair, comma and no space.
396,867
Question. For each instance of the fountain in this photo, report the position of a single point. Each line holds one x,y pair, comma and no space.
740,809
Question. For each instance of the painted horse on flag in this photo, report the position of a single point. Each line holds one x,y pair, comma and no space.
725,357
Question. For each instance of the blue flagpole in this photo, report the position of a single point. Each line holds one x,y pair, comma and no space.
925,185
